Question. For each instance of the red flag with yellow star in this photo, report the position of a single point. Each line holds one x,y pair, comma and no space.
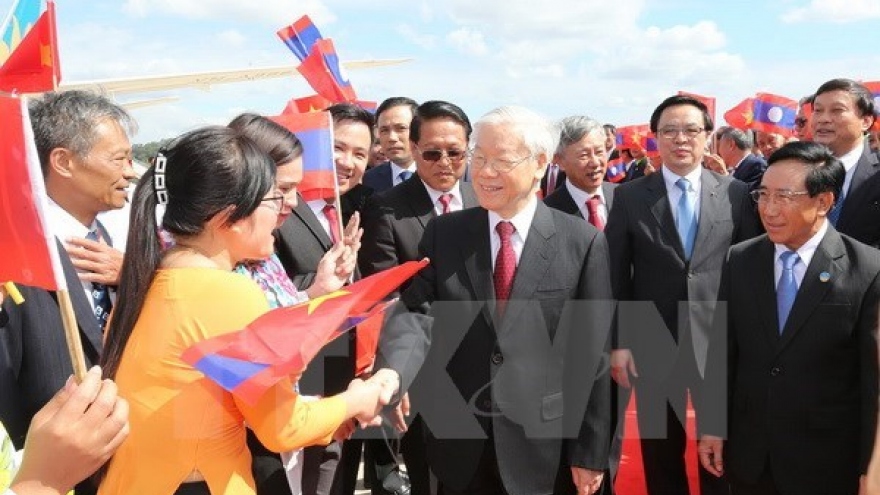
33,65
742,116
633,135
283,341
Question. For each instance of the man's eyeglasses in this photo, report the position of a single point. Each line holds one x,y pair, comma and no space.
782,198
275,202
673,132
437,155
479,162
800,122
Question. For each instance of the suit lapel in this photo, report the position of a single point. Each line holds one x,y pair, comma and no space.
812,289
477,253
658,203
468,197
710,212
85,315
762,281
419,201
309,219
534,261
567,202
608,192
865,168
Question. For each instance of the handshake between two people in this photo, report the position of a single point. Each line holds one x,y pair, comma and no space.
366,398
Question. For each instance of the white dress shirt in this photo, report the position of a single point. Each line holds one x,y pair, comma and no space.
580,198
522,221
64,226
805,253
850,160
317,207
455,204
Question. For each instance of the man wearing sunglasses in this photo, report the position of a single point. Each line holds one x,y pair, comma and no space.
395,221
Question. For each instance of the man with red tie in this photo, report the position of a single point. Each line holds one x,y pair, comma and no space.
514,389
582,154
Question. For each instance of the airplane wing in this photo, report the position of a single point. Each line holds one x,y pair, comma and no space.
204,80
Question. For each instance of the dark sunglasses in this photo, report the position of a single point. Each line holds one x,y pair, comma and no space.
437,155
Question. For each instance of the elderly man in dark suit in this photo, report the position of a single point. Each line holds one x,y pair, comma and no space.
736,158
85,154
395,220
393,117
800,353
843,112
514,389
668,234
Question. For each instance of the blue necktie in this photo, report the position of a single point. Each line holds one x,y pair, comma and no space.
100,292
686,223
834,213
406,174
786,290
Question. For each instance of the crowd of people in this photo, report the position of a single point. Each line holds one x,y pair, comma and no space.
734,270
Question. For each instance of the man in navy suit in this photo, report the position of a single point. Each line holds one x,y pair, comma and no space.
735,149
843,112
792,370
393,118
85,154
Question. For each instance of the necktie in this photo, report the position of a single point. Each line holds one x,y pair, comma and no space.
403,175
787,288
445,200
686,223
593,209
505,267
100,292
834,213
551,180
333,219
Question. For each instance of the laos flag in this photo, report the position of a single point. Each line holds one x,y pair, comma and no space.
774,113
315,131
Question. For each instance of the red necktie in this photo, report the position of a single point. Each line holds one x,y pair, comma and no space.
445,200
333,219
593,209
505,267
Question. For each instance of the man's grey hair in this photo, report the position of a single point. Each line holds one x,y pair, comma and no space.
536,131
741,139
68,120
573,129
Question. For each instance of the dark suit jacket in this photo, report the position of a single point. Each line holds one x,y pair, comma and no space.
751,171
560,180
561,199
34,361
636,170
379,177
394,223
805,402
482,377
860,216
648,265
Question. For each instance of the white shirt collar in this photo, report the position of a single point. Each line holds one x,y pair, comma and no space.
455,205
63,225
397,169
522,221
808,249
670,178
850,160
580,196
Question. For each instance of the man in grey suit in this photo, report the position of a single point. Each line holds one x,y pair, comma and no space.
85,154
393,117
798,346
514,389
668,234
843,112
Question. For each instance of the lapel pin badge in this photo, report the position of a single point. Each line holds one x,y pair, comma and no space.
824,277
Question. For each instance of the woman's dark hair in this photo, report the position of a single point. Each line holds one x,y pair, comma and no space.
273,138
207,171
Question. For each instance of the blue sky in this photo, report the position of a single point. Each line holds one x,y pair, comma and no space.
612,60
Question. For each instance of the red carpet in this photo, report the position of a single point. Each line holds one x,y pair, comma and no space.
630,478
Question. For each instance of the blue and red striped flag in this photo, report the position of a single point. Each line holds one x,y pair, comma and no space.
315,132
284,340
774,113
29,60
616,171
324,74
30,253
300,36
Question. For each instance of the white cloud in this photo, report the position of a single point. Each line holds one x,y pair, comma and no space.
276,13
468,41
836,11
426,41
232,38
